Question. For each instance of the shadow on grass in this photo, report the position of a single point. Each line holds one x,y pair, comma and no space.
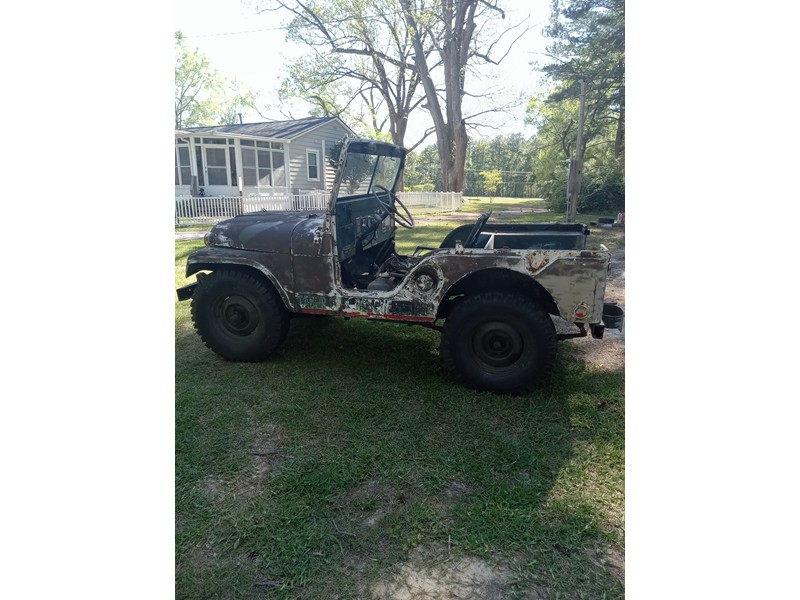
380,453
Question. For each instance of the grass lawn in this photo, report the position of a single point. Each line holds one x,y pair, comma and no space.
480,204
350,465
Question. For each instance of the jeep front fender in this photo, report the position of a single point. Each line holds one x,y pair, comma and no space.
276,268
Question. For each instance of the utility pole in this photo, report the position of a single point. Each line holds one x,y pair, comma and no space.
576,164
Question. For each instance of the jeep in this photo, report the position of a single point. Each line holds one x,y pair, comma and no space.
490,290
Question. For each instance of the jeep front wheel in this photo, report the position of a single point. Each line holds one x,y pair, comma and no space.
238,316
499,342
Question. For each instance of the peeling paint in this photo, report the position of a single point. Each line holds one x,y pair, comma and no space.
536,262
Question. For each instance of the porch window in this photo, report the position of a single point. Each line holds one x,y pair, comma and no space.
183,169
201,180
263,164
232,162
312,160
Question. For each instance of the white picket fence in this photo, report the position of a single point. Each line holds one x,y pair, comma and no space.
192,210
443,201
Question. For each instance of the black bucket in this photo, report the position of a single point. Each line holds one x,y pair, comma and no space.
613,316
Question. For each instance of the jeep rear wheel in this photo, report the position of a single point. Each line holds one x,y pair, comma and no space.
238,316
499,342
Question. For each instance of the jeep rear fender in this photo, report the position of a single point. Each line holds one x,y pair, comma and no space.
498,279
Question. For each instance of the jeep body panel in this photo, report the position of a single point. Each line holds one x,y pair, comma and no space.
309,282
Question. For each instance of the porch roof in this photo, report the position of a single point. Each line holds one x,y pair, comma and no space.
275,130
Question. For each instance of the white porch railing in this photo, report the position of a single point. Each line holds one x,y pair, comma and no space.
192,210
444,201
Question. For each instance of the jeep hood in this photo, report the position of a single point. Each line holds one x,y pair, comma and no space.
267,231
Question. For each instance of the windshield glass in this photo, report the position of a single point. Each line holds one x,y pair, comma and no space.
365,173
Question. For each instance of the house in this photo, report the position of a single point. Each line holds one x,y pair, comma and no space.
265,158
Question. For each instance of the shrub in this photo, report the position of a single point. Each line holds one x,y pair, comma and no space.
602,191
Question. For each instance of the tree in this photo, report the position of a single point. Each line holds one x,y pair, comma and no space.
202,95
193,76
422,171
589,45
555,144
361,42
491,181
310,79
512,156
232,102
393,46
459,30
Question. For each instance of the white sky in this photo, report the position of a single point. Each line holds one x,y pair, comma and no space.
251,48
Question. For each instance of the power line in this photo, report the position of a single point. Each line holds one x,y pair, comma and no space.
363,17
234,32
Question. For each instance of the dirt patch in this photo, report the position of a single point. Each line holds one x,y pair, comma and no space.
266,455
432,574
610,560
213,487
365,505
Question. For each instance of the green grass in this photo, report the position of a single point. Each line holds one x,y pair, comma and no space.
319,472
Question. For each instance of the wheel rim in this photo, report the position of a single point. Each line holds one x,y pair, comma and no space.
237,315
497,344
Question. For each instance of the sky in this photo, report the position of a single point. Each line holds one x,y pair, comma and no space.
250,47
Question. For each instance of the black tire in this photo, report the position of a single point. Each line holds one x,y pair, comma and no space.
499,342
238,316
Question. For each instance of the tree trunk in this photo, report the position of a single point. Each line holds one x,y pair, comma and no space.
619,140
451,132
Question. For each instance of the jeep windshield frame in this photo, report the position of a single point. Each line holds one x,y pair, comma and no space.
366,167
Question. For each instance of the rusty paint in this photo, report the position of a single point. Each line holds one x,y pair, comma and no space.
536,263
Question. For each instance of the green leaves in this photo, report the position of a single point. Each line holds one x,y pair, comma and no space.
203,96
588,44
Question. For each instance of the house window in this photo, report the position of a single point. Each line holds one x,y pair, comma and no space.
183,169
278,169
312,160
199,157
262,165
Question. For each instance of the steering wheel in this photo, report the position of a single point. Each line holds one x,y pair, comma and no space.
403,219
476,229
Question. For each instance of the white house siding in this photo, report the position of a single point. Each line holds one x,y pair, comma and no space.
319,139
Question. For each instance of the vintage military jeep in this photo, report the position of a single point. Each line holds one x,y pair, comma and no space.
489,289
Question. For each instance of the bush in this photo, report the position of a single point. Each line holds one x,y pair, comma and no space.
554,192
602,191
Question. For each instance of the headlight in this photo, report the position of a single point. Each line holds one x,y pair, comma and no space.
209,239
